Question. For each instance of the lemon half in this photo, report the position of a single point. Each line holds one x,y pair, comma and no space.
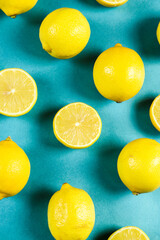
18,92
112,3
131,233
154,113
77,125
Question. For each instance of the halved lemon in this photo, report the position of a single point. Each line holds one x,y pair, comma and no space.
77,125
18,92
112,3
129,233
154,113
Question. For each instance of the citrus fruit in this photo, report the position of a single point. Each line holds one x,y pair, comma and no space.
112,3
139,165
18,92
71,214
64,33
15,7
14,168
77,125
158,33
154,113
119,73
129,233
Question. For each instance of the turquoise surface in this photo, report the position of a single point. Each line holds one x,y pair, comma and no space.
61,82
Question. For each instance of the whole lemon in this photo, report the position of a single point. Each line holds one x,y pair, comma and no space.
15,7
14,168
64,33
158,33
119,73
71,214
139,165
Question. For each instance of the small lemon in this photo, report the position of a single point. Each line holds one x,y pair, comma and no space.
64,33
71,214
158,33
119,73
14,168
139,165
126,233
15,7
112,3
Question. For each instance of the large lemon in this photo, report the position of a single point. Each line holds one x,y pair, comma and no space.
139,165
15,7
64,33
71,214
112,3
119,73
14,168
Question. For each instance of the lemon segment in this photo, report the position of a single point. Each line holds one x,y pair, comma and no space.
77,125
18,92
158,33
131,233
154,113
112,3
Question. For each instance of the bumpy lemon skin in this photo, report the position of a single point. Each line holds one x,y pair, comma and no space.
139,165
158,33
107,4
12,8
64,33
14,168
151,114
71,214
119,73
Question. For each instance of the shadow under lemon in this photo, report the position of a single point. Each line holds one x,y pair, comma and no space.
142,116
83,82
47,136
148,42
106,234
107,168
38,225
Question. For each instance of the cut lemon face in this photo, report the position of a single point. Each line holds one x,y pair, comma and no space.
154,113
77,125
112,3
158,33
18,92
129,233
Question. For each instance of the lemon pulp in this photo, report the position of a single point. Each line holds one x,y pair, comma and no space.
18,92
131,233
77,125
155,113
112,3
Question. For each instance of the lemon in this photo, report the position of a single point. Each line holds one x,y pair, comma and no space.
15,7
64,33
139,165
77,125
119,73
18,92
112,3
14,168
158,33
154,113
131,233
71,214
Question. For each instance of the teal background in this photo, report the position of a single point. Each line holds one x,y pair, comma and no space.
61,82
